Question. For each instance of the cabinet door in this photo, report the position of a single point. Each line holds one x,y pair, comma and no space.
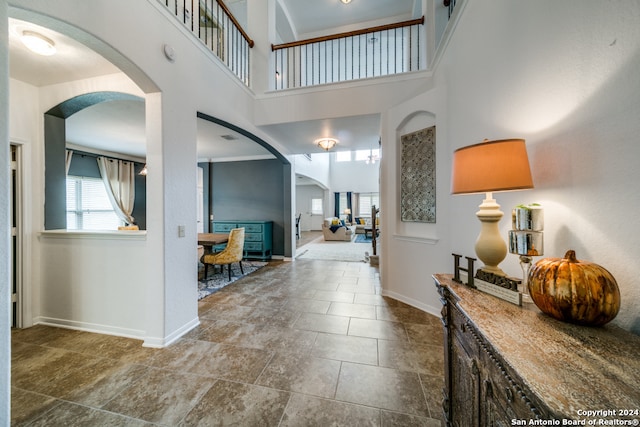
465,378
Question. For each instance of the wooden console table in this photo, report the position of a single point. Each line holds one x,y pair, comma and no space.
504,364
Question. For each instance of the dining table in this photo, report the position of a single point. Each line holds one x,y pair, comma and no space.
209,240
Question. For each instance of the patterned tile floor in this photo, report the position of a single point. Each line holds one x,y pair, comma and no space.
304,343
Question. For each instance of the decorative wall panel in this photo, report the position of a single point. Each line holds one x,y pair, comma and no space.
418,176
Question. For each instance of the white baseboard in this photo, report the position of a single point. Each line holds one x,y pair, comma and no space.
171,338
119,332
414,303
89,327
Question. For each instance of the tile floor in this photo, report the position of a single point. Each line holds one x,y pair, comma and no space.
304,343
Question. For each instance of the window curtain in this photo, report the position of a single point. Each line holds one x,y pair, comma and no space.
119,180
349,204
336,205
356,205
69,155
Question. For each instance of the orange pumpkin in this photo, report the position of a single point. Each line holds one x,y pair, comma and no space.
574,291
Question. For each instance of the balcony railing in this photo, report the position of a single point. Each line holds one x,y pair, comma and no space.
213,23
379,51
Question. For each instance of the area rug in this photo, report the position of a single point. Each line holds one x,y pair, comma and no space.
333,251
217,280
361,238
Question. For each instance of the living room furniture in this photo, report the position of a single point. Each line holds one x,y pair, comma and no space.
258,242
359,224
504,362
210,241
369,229
332,229
232,253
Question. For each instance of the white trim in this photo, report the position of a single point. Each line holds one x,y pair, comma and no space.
414,303
96,235
89,327
420,240
171,338
369,81
447,34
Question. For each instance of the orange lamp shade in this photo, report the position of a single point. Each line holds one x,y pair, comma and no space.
500,165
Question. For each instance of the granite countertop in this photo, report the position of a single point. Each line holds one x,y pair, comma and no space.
570,367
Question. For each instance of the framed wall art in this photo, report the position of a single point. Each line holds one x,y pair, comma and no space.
418,176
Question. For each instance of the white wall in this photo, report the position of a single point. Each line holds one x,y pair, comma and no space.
317,168
5,258
304,194
357,177
94,281
410,250
567,82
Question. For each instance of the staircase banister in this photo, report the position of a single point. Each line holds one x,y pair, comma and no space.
235,22
348,33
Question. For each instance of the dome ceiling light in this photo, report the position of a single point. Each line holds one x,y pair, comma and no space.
326,143
38,43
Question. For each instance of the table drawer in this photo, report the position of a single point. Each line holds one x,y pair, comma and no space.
222,228
251,228
253,237
252,246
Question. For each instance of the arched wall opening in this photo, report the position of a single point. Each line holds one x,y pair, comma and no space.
55,141
256,190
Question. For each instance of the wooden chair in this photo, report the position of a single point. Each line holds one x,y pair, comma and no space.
232,253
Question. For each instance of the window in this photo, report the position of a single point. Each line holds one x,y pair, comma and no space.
88,205
366,201
343,156
316,207
364,155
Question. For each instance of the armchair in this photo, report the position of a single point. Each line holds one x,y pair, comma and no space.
332,231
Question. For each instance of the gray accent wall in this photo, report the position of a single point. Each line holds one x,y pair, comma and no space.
253,190
55,190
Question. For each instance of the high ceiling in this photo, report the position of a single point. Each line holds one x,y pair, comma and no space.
118,126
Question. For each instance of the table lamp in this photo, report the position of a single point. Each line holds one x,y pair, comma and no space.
487,167
347,213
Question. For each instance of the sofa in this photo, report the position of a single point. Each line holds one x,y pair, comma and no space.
361,223
334,229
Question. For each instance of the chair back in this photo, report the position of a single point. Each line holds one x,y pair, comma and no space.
235,245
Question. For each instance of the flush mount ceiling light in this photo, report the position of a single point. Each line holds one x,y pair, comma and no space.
38,43
346,1
326,143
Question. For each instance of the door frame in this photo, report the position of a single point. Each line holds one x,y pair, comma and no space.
17,236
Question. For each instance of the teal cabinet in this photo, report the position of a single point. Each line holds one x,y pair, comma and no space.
258,236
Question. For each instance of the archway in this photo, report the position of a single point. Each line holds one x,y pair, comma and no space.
55,207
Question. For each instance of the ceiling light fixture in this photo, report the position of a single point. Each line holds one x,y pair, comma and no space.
346,1
326,143
371,158
38,43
